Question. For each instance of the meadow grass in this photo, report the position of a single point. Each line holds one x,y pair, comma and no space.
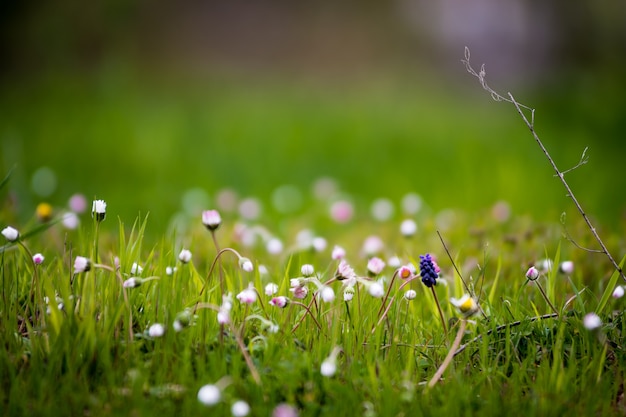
84,343
87,350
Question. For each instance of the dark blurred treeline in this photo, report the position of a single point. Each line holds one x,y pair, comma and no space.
532,37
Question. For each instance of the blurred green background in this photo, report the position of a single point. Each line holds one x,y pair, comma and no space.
139,102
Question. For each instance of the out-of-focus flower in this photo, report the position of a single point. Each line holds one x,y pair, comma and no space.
246,264
375,266
372,245
11,234
466,305
38,259
209,395
338,253
274,246
247,296
280,301
271,289
70,220
329,365
99,210
376,289
211,219
182,320
566,267
544,266
319,244
240,408
341,211
618,292
156,330
132,282
348,293
43,212
184,256
285,410
394,262
307,270
327,294
136,269
408,227
81,264
382,209
592,322
170,270
410,294
344,271
427,270
300,291
78,203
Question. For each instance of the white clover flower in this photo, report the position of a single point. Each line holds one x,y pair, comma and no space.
170,270
271,289
184,256
11,234
307,270
81,264
156,330
408,227
38,259
592,322
410,294
99,210
211,219
376,289
240,408
327,294
209,395
344,271
618,292
338,253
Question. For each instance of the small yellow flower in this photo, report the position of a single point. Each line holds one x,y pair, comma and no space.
466,305
44,212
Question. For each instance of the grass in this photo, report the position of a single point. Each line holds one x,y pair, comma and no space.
88,350
94,355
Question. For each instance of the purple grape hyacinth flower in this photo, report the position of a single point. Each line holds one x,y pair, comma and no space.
428,270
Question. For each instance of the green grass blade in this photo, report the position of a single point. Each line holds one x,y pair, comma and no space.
608,291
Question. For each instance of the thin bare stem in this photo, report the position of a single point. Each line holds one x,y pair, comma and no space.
443,320
531,126
505,326
308,312
217,248
451,353
545,296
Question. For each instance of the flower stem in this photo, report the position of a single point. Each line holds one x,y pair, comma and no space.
443,320
448,359
545,296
